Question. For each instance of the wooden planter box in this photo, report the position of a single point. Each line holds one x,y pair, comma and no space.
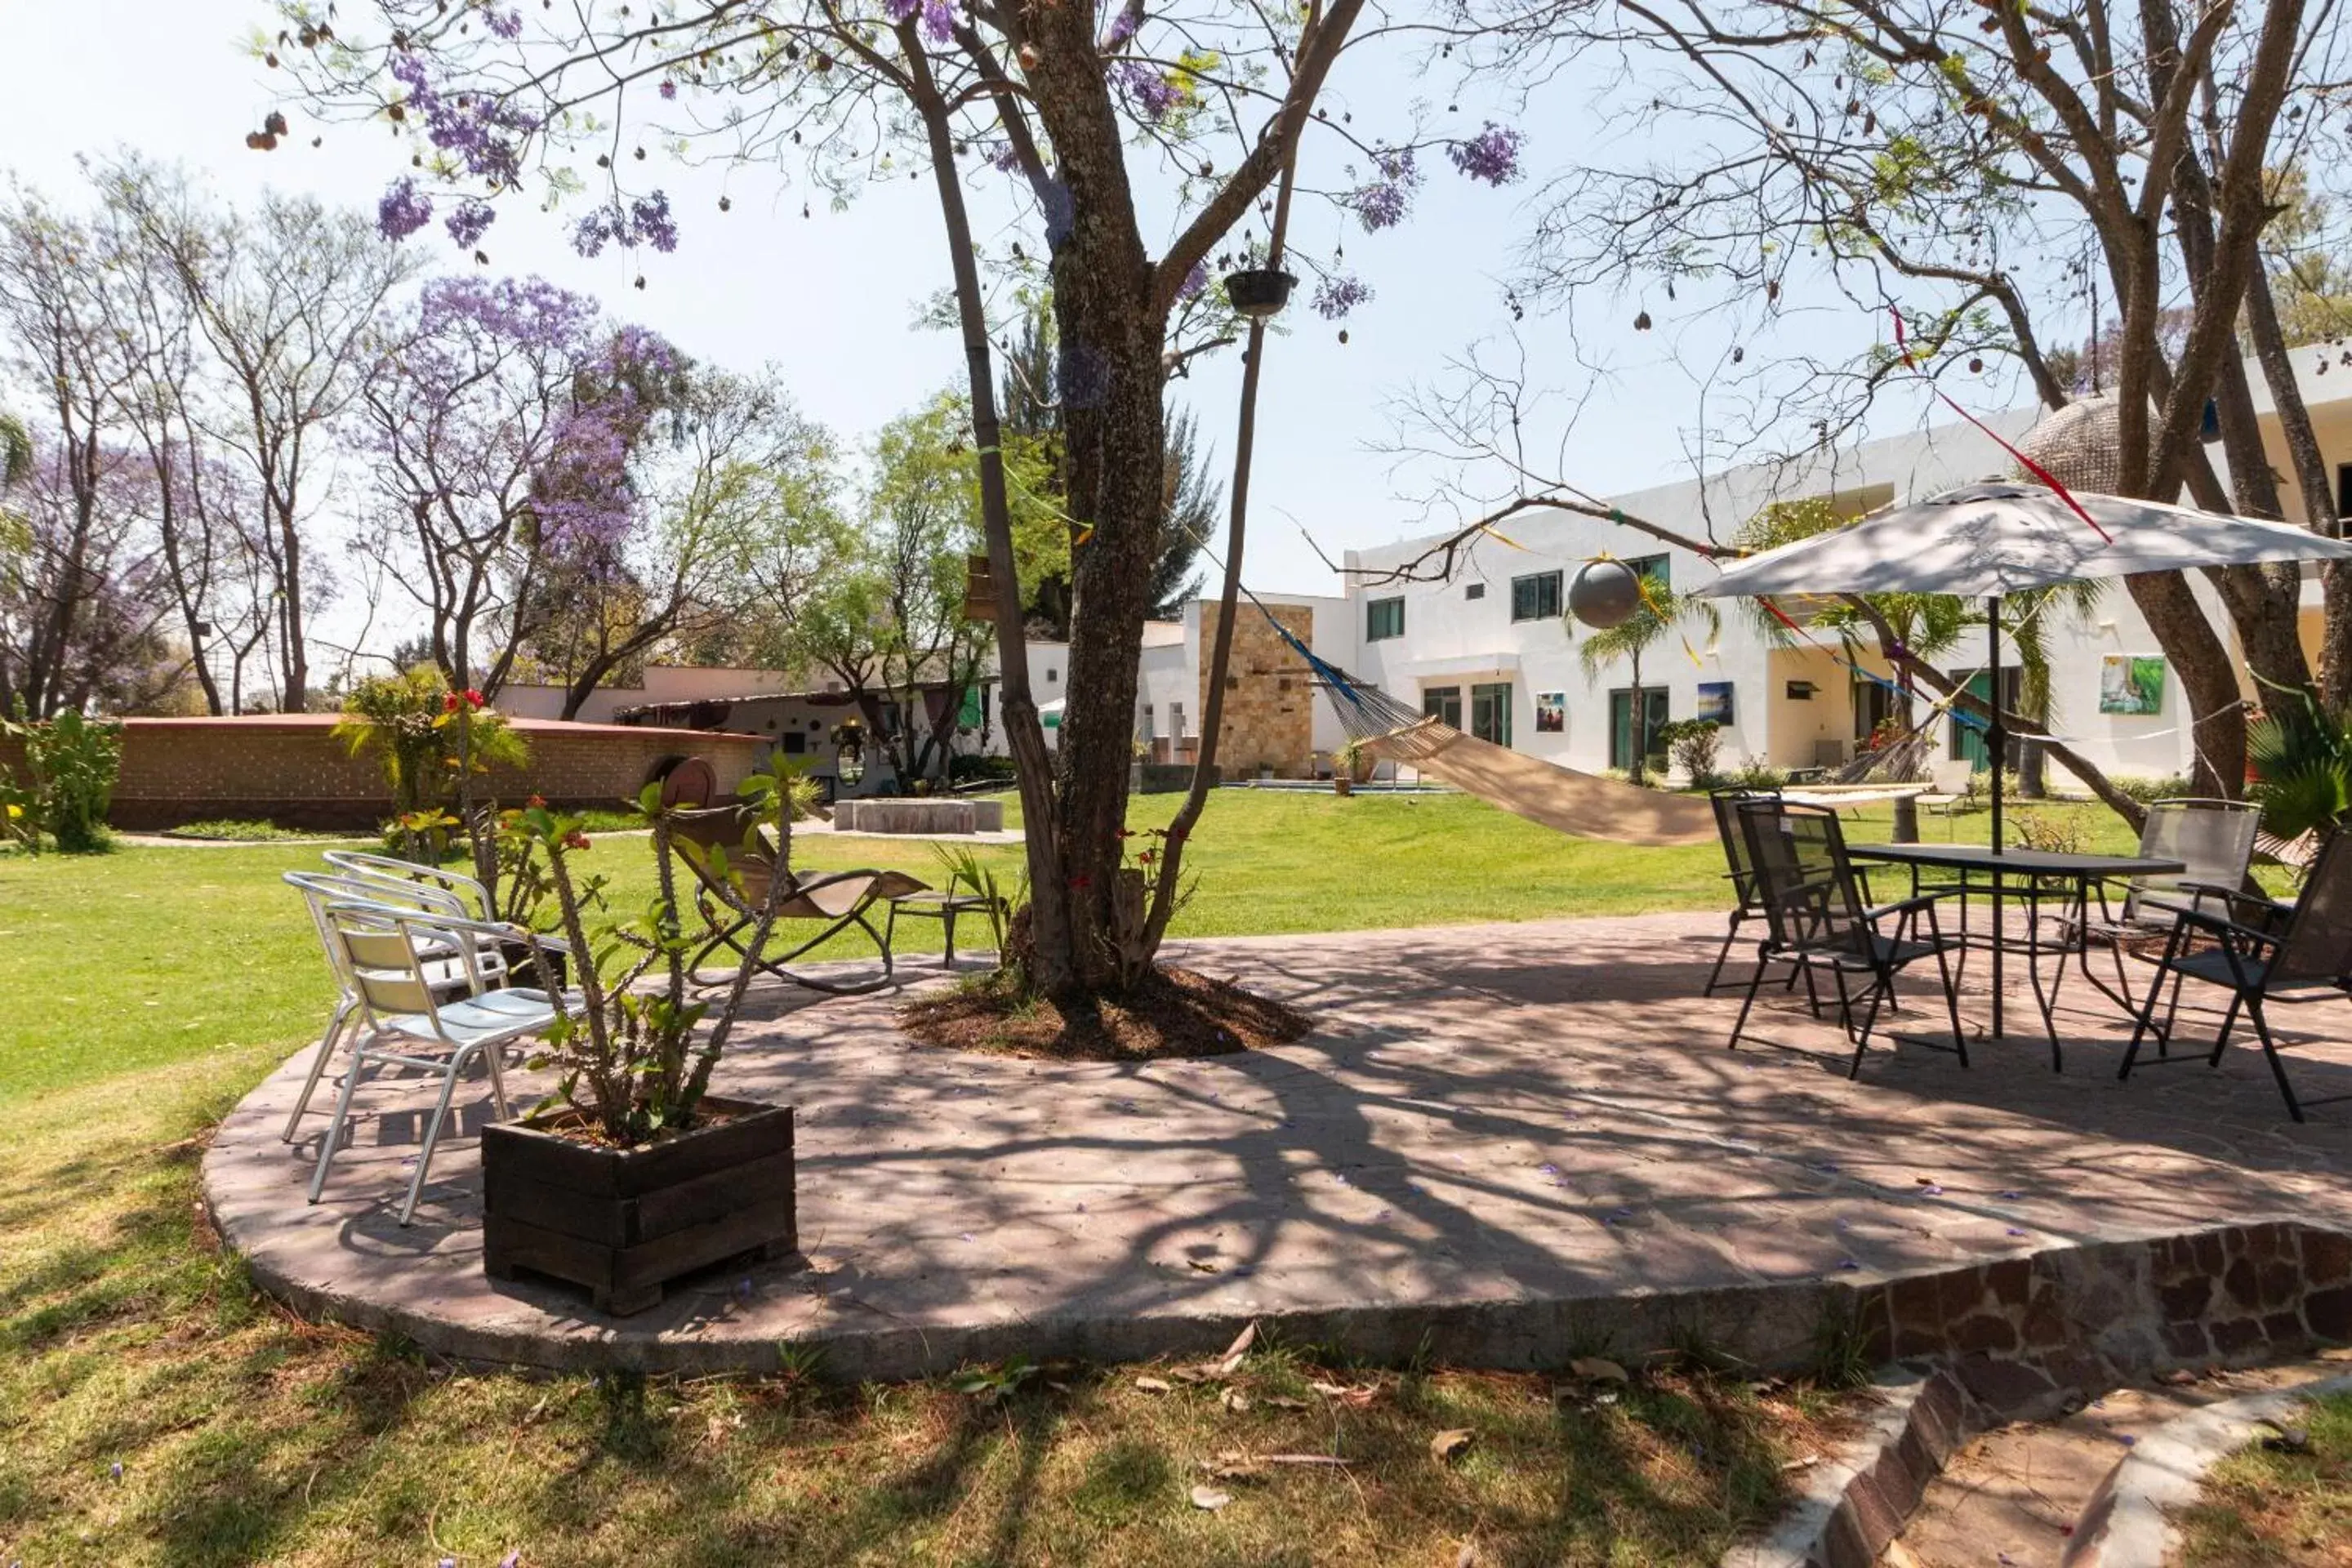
625,1222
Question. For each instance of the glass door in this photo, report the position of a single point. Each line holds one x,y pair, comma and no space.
1621,746
1490,712
1442,703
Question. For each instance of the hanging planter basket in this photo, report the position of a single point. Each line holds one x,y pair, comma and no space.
1259,291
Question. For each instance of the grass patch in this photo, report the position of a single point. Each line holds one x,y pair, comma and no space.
155,1409
2264,1506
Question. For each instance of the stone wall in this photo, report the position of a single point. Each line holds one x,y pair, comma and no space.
1269,712
289,769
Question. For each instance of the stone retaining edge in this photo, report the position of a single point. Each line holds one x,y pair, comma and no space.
2127,1522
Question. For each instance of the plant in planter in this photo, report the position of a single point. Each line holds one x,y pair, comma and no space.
631,1172
1351,764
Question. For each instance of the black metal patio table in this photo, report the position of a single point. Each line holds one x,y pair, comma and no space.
2021,874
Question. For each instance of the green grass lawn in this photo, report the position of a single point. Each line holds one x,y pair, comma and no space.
2262,1506
155,1409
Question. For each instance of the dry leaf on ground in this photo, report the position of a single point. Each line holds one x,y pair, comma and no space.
1238,1349
1598,1367
1210,1499
1449,1442
1153,1385
1235,1400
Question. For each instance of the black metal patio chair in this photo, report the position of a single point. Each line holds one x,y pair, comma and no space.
1815,915
1748,903
2305,954
2214,839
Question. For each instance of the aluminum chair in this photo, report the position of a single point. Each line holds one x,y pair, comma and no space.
2303,955
473,899
447,971
406,1020
2214,840
1815,915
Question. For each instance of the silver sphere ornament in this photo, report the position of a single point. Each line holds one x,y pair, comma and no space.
1605,593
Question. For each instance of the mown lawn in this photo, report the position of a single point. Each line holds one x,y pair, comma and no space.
155,1409
2267,1506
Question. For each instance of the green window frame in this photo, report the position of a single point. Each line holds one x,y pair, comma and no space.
1535,597
1383,619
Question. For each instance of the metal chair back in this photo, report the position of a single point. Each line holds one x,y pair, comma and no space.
1726,803
1807,883
469,897
2316,949
2214,840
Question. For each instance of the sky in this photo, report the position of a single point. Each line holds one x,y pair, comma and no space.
831,298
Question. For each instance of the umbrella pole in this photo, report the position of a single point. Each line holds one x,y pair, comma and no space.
1997,743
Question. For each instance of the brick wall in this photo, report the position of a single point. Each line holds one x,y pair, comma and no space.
1269,714
289,769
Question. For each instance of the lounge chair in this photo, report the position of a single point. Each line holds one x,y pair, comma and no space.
731,902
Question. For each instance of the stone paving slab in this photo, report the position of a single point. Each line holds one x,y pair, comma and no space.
1514,1140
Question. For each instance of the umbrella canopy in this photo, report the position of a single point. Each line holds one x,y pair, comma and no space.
1992,539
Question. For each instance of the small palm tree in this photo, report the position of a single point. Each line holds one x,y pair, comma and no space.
1661,610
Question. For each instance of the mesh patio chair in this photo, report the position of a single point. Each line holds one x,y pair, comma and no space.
407,1019
446,971
2303,956
841,900
1814,914
2214,840
1747,901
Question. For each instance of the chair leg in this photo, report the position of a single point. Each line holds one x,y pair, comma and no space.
1723,955
327,1042
2270,1051
1880,987
432,1135
1952,1004
2229,1022
334,1134
1755,983
2146,1022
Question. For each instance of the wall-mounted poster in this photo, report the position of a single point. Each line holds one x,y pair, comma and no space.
1715,701
2131,683
1551,712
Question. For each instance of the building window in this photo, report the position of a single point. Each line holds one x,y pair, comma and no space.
1658,569
795,743
1535,597
1147,722
1175,720
1475,591
1383,619
1052,674
1442,703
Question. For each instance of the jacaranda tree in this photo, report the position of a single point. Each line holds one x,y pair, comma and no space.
1105,126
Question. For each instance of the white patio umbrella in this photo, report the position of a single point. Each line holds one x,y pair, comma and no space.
1983,541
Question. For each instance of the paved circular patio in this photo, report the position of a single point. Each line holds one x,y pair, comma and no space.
1500,1140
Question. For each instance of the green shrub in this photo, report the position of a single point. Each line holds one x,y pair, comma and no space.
433,741
70,764
1692,745
2171,787
1754,772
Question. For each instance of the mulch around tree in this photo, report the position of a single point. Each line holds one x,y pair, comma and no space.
1175,1013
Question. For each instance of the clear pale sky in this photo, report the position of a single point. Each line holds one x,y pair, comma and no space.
831,298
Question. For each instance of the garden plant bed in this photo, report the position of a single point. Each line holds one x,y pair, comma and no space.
1175,1013
625,1222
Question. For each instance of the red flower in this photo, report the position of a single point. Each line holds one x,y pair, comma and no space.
473,697
537,803
576,839
448,702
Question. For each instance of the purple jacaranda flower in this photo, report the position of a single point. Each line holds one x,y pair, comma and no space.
403,211
899,10
939,21
1383,203
649,217
481,128
668,90
1195,281
470,222
1492,155
1152,94
1337,293
1122,27
506,24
